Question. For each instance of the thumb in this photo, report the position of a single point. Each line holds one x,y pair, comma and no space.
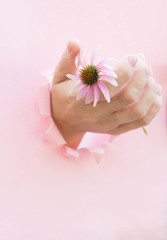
67,62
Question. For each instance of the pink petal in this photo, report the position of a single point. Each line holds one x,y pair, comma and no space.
94,54
73,77
106,60
82,93
81,58
77,60
90,95
76,87
106,67
104,90
110,72
112,83
109,79
96,94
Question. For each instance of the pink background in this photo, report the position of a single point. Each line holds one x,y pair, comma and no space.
44,196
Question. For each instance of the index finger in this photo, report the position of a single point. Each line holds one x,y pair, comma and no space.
131,91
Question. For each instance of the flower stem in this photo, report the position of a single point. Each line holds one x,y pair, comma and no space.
145,131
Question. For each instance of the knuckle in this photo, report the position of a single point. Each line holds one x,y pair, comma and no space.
139,85
153,111
158,104
146,120
128,97
143,70
139,112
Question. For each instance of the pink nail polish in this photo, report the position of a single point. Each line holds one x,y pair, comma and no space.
68,49
159,90
132,60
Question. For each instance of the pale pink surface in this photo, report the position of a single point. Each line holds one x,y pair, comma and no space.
44,196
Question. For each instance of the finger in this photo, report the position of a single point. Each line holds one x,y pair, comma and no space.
128,77
131,91
139,109
155,107
124,71
67,62
133,112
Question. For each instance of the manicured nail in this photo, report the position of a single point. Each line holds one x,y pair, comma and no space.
159,89
68,49
132,60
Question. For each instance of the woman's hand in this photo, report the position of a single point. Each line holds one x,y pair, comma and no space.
134,103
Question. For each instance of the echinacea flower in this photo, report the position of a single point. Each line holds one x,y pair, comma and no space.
91,76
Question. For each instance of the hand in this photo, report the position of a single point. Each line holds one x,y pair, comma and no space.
134,103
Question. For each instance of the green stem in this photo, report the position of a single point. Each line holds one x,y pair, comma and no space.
145,131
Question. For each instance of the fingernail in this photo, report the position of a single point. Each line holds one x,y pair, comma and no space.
68,49
159,90
132,60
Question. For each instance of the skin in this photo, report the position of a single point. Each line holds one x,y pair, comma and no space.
134,103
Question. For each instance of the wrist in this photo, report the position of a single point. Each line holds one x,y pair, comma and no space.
71,137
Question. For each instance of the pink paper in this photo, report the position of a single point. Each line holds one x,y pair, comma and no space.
44,195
